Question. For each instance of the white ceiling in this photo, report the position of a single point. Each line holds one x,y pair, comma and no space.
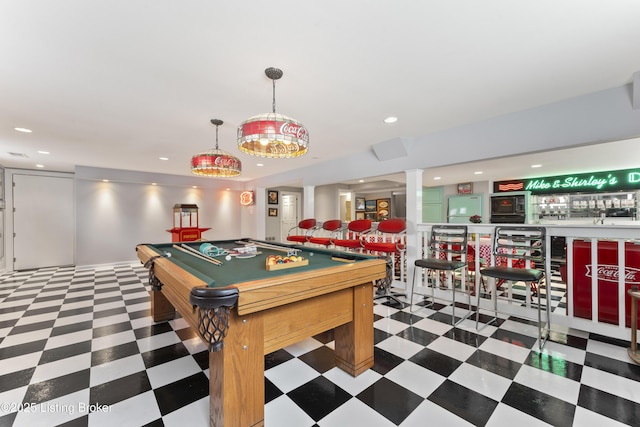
119,84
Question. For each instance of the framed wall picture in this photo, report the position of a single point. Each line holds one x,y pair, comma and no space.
383,207
465,188
273,211
359,215
359,203
272,198
370,205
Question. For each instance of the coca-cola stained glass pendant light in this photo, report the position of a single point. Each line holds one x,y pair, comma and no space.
216,163
273,135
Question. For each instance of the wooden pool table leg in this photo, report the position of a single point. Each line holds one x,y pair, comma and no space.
161,308
236,374
352,358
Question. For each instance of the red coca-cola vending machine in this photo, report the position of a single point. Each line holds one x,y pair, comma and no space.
608,273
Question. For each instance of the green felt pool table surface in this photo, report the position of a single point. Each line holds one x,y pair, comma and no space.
240,270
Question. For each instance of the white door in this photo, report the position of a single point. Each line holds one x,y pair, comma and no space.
43,221
290,213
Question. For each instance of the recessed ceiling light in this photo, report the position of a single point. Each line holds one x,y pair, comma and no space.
153,183
536,166
164,158
391,119
25,130
39,166
195,186
43,152
105,180
437,177
362,180
260,164
478,172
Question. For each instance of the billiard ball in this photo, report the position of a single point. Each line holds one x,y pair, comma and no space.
228,257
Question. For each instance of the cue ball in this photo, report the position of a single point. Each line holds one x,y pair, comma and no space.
228,257
310,253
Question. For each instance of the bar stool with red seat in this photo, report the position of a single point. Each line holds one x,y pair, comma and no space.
388,240
331,230
304,228
352,239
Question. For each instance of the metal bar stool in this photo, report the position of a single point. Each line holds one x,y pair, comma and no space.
446,253
514,244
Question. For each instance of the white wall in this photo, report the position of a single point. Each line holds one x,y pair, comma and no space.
113,217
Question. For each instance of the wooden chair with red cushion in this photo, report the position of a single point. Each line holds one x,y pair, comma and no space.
389,240
330,229
303,230
352,239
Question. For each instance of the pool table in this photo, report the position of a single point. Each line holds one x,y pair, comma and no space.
243,311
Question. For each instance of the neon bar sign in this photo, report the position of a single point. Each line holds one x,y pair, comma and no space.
627,179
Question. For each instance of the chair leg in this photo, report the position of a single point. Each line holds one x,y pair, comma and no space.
385,286
415,272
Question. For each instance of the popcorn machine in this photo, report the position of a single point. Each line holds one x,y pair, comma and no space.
185,224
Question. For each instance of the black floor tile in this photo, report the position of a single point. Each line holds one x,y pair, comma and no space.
110,354
554,365
22,349
277,357
183,392
384,361
75,311
379,336
111,329
65,351
319,397
270,391
43,310
609,405
73,327
321,359
514,338
106,313
32,327
155,329
436,362
119,389
57,387
15,379
465,337
418,336
539,405
391,400
404,317
463,402
493,363
165,354
613,366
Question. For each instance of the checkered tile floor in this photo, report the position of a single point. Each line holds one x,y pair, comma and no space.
78,348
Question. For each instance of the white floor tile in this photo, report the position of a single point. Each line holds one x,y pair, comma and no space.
421,381
400,347
175,370
481,381
452,348
291,374
551,384
135,411
282,412
61,367
623,387
350,384
115,369
354,413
